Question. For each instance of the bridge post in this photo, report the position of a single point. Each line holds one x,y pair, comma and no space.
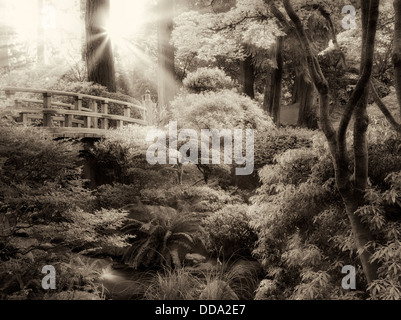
127,111
47,104
104,123
149,116
9,98
78,102
93,106
68,120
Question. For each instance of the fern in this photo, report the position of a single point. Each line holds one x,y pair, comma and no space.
163,240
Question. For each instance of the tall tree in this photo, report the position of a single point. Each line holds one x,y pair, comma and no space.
166,70
99,54
304,94
4,59
397,50
247,76
397,71
273,86
41,34
351,185
82,12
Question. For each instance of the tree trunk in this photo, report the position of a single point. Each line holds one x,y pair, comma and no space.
4,59
166,88
352,192
269,91
247,74
272,94
397,50
82,5
41,35
99,55
305,96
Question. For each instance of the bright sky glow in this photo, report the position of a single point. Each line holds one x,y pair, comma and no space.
127,17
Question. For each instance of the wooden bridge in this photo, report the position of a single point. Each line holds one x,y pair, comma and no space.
75,115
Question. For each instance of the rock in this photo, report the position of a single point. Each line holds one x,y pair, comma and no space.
194,258
218,290
29,256
23,244
46,246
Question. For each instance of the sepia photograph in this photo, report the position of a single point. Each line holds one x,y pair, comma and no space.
200,157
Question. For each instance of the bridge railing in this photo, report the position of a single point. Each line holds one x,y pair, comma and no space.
86,114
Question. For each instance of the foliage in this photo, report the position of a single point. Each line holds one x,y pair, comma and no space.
162,241
379,169
207,79
40,177
45,213
229,232
198,198
78,279
301,226
122,157
226,281
268,143
219,110
303,229
382,215
115,196
95,233
173,284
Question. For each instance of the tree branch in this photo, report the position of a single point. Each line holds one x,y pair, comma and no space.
366,67
383,108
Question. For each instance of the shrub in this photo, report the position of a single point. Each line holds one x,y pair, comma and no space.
40,177
219,110
269,144
303,234
177,284
198,199
162,241
207,79
389,150
121,158
229,232
115,196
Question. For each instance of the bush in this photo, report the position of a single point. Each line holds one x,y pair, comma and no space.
207,79
304,235
197,199
121,158
269,144
219,110
40,177
115,196
177,284
379,169
229,232
162,241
